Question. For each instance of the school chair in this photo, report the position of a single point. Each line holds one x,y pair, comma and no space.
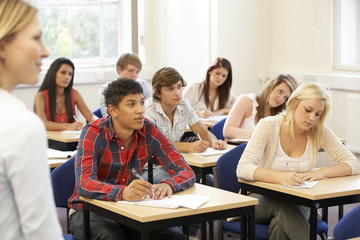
348,226
217,129
63,182
97,113
225,178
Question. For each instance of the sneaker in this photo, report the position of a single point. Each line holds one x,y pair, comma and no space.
193,238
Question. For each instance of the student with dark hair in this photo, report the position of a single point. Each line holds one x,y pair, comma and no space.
56,98
110,149
27,201
213,96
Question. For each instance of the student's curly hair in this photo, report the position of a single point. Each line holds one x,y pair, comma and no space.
120,88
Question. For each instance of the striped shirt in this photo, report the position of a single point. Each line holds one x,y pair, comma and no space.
103,164
184,116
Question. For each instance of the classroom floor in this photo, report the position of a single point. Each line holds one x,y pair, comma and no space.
333,218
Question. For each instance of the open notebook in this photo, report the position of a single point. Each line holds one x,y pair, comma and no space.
188,200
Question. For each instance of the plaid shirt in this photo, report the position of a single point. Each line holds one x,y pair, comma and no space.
103,165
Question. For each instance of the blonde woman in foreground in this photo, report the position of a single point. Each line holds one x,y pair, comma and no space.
293,139
27,203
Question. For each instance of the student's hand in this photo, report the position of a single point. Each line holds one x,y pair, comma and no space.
138,190
313,175
205,113
291,178
161,190
219,145
199,146
75,126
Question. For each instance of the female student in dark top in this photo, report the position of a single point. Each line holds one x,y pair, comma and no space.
56,99
213,96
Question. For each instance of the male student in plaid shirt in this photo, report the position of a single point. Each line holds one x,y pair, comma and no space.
109,149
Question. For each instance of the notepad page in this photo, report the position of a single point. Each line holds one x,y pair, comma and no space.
305,185
52,153
210,152
188,200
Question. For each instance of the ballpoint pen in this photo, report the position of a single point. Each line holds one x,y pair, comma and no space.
137,175
75,118
287,164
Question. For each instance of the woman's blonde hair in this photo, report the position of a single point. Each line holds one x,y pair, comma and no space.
265,94
309,91
14,16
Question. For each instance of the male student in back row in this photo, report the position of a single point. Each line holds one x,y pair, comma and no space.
127,66
108,151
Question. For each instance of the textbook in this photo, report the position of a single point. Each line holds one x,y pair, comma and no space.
192,201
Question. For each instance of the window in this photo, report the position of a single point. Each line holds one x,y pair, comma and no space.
347,35
90,33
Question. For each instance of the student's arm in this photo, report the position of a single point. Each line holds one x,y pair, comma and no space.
347,162
50,125
206,135
241,109
81,105
183,176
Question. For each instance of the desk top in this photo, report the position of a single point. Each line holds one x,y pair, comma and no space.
326,188
219,200
63,136
203,161
55,162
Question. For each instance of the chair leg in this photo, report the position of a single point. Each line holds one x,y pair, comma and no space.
219,230
323,236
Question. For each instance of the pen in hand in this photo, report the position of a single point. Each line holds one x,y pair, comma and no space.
287,164
137,175
76,120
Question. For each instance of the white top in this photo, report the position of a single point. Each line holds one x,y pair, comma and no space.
145,86
27,209
281,159
261,148
192,94
184,116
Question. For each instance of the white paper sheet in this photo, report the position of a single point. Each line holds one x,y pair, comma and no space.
52,153
305,185
211,151
188,200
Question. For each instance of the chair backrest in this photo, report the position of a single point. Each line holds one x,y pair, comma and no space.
217,129
226,169
63,182
348,226
98,113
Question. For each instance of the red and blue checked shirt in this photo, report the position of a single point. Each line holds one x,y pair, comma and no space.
103,165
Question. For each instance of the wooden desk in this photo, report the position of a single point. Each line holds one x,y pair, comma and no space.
328,192
55,162
62,141
222,204
203,164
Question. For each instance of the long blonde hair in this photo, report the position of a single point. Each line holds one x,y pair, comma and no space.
309,91
14,16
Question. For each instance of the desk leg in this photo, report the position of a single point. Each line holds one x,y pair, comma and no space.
244,219
211,230
251,224
145,235
86,224
313,222
203,231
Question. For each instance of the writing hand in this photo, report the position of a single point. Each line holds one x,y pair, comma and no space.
138,190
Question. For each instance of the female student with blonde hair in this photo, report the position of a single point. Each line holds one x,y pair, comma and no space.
56,99
291,140
249,108
27,202
213,96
